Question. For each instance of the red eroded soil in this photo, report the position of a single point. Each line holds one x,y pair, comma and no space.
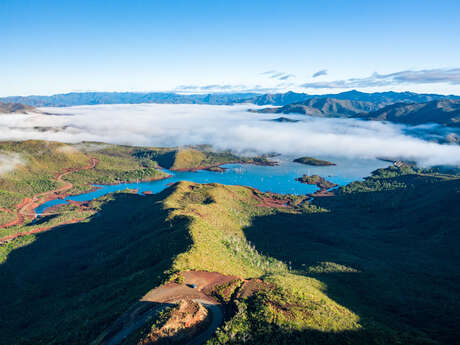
203,281
273,203
37,230
322,193
267,201
197,286
251,286
26,209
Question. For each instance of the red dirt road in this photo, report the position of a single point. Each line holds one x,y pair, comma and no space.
26,209
165,295
37,230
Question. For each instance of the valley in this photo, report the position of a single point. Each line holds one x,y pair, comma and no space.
104,264
229,172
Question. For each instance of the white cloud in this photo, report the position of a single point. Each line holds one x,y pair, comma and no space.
278,75
9,162
428,76
319,73
227,127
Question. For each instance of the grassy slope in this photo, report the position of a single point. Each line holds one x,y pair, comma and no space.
84,275
120,249
366,268
219,215
42,160
300,306
387,249
194,157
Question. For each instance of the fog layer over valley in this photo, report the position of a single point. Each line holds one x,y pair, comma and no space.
9,161
232,127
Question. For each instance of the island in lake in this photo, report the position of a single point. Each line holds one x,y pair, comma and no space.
312,161
321,182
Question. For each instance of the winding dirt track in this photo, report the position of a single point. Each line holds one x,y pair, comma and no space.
166,295
26,209
217,319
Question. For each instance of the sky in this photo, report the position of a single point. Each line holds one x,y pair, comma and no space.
316,47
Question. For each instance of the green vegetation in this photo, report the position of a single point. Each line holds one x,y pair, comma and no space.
375,264
312,161
225,292
192,158
64,213
43,160
115,164
387,250
321,182
116,257
359,273
68,284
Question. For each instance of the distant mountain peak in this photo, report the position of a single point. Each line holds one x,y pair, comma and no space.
16,108
323,107
444,112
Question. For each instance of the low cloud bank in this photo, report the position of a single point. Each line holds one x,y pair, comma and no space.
229,127
9,162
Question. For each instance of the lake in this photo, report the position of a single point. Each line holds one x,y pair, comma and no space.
276,179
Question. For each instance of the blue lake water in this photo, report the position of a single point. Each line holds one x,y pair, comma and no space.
277,179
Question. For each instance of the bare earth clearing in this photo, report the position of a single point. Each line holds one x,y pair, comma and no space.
197,286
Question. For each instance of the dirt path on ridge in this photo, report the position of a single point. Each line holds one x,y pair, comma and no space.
167,295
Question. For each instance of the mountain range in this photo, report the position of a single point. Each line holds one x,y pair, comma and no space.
324,107
399,107
92,98
443,112
381,98
277,99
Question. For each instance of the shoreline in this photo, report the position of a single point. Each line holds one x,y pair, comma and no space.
219,168
26,202
93,189
26,208
325,188
126,182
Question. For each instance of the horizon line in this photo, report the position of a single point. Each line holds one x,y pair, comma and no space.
223,93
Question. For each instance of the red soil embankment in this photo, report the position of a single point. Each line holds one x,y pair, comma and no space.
203,281
268,200
197,286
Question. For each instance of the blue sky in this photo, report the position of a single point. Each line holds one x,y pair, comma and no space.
61,46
